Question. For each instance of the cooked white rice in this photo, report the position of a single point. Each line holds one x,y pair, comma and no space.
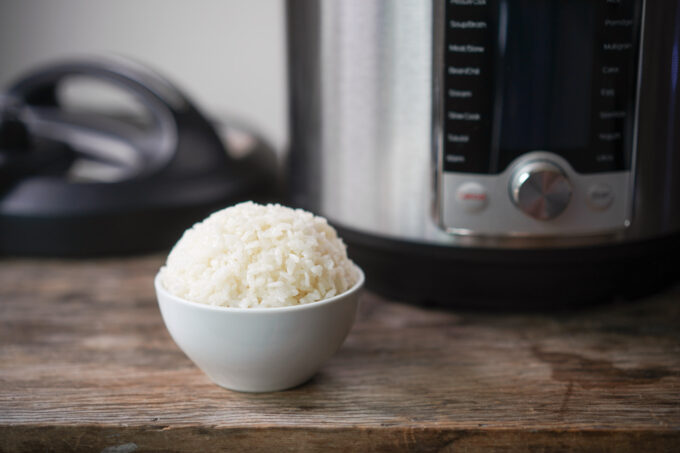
251,255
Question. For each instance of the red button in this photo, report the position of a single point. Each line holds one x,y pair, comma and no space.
472,196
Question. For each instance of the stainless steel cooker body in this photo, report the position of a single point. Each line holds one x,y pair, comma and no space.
365,131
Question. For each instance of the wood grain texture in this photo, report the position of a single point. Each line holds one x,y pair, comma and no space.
86,364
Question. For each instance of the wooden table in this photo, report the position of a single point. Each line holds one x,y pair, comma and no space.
87,365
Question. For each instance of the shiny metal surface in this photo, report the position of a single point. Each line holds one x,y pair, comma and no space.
361,99
657,178
541,190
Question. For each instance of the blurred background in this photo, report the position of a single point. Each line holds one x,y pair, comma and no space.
227,55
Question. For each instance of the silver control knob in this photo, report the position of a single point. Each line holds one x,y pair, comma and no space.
540,189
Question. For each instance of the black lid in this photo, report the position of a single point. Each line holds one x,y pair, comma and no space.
167,174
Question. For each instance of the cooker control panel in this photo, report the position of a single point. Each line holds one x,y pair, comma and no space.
535,115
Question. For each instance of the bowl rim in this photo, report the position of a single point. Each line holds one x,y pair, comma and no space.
259,310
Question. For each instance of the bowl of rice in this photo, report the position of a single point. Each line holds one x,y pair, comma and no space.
259,296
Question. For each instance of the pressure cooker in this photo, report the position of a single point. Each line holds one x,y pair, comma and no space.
491,152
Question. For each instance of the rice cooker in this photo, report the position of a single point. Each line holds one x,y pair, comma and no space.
492,152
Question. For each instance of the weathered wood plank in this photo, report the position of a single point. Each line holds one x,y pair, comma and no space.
341,440
86,363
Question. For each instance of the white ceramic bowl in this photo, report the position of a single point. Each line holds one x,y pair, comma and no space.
260,349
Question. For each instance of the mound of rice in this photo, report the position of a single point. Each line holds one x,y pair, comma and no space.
251,255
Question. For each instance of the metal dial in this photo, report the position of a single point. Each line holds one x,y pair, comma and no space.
541,190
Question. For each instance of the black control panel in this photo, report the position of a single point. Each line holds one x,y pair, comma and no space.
537,75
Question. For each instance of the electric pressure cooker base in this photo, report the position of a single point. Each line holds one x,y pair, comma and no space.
513,279
544,129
